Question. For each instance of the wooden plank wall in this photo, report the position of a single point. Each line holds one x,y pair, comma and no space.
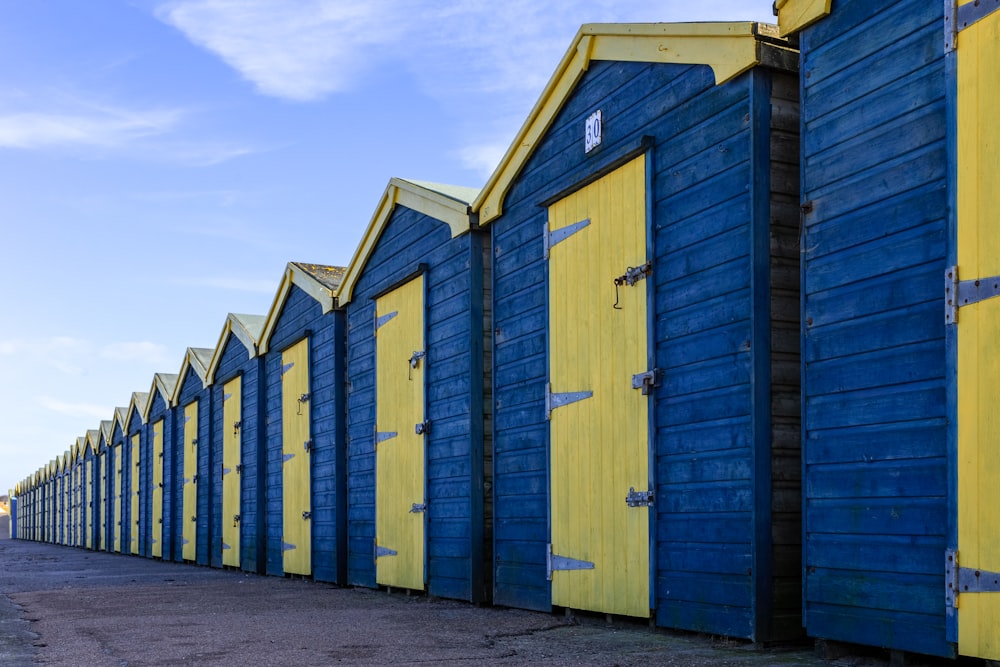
875,178
160,410
302,313
191,388
454,446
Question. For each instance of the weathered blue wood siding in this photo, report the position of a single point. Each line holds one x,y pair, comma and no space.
129,471
874,178
725,557
160,409
302,316
235,361
191,389
453,322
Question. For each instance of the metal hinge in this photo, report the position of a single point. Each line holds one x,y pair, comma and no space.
966,292
639,498
423,428
381,320
418,507
382,551
287,367
552,238
554,562
960,580
553,401
382,436
646,381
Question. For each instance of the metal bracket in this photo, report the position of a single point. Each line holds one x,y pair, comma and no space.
966,292
553,401
382,551
423,428
418,507
646,381
287,367
639,498
950,25
285,458
379,321
971,13
382,436
960,580
552,238
306,515
287,546
554,562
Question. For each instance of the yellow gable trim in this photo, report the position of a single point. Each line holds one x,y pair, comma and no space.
793,15
728,48
433,204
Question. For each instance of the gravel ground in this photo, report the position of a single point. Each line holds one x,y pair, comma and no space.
65,606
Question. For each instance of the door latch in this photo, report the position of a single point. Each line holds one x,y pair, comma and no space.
423,428
306,515
639,498
632,275
236,520
647,380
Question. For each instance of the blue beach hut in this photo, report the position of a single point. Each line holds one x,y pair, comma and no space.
302,344
131,473
645,314
234,372
158,485
418,461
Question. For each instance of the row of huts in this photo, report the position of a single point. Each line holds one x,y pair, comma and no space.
715,345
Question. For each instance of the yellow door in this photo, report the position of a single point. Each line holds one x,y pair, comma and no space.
978,257
102,492
232,400
399,437
156,544
296,541
117,520
189,496
134,496
599,418
88,504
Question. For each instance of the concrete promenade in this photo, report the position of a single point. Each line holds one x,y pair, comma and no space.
65,606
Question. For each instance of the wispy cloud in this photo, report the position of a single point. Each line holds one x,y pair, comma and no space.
104,127
298,52
72,409
144,351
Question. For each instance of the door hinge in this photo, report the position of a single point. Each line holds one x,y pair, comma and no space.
287,367
553,401
960,580
423,428
381,320
966,292
551,238
383,551
555,562
418,507
639,498
382,436
646,381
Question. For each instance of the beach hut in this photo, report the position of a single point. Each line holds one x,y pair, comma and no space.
234,372
192,483
77,477
157,500
302,343
132,473
898,153
419,456
65,498
100,496
645,316
114,479
88,485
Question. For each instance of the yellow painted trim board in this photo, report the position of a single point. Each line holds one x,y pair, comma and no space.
295,275
978,326
793,15
728,48
417,197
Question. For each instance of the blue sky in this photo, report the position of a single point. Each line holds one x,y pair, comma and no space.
161,162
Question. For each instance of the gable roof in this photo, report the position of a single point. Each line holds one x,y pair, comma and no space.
728,48
319,281
793,15
107,428
120,418
246,328
196,359
92,441
137,406
164,385
450,204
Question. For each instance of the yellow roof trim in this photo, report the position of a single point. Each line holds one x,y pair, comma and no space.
246,328
436,201
728,48
793,15
164,384
298,276
195,359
